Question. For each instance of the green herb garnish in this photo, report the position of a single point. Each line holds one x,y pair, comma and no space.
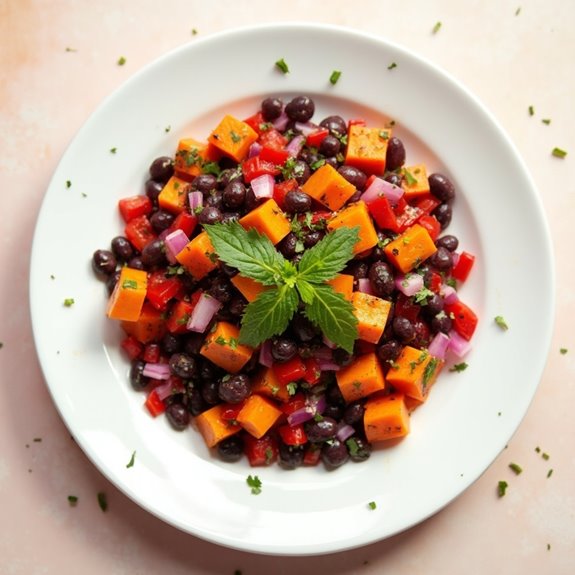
500,321
422,295
121,61
372,505
72,500
546,121
531,110
563,350
270,313
113,150
102,501
335,75
254,483
549,473
436,28
69,302
501,488
458,367
132,460
68,184
392,66
558,153
517,469
281,65
409,178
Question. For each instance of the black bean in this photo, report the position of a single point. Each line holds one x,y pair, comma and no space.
342,357
381,278
448,242
136,263
231,449
183,365
137,378
389,351
161,220
234,194
112,281
330,146
162,169
228,176
359,449
237,306
300,109
196,403
103,263
204,183
297,202
403,329
153,253
288,246
301,172
434,305
395,156
210,215
122,248
394,179
442,259
171,343
334,453
290,456
353,414
209,391
221,289
283,349
441,322
235,388
153,189
353,175
271,109
335,124
312,237
321,430
333,395
443,213
303,328
178,416
441,187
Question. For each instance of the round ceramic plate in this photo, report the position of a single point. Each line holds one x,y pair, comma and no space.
469,416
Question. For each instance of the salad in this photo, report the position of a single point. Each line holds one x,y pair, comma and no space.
286,287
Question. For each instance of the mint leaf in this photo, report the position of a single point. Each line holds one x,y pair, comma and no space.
268,315
306,291
333,314
329,256
251,253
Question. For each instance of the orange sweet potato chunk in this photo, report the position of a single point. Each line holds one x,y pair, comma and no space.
198,256
360,378
343,284
222,347
233,138
356,214
213,426
248,287
269,220
150,325
386,417
128,296
367,148
327,186
371,313
173,197
258,415
415,183
410,249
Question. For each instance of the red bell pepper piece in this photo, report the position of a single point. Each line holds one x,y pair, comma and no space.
135,206
132,347
295,402
154,404
461,269
292,434
312,371
316,138
408,217
427,203
434,282
256,122
254,167
383,214
464,318
162,288
262,451
276,157
355,122
281,189
184,221
139,232
312,455
291,370
271,138
431,224
151,353
230,412
320,217
405,307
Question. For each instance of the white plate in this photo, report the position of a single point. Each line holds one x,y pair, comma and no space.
469,417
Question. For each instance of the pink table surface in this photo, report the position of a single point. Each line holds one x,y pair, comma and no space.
512,53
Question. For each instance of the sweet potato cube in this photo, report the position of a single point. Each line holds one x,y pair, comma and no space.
198,256
233,138
191,156
415,183
371,313
343,284
128,296
267,383
385,417
248,287
269,220
360,378
356,214
174,195
257,415
414,372
150,325
410,249
327,186
367,148
213,426
222,347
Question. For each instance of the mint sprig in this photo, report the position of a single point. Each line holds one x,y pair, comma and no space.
269,314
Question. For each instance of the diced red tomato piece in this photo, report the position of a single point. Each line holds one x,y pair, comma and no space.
291,370
408,217
276,157
464,318
312,371
427,203
151,353
431,224
434,282
154,404
139,232
135,206
254,167
461,269
184,221
132,347
383,214
271,138
262,451
292,434
312,455
162,288
405,307
316,138
295,402
281,189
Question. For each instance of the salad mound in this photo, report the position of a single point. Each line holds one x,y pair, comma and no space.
287,287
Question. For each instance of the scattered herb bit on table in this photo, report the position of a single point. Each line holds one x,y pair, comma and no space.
72,500
559,153
502,488
69,302
517,469
121,61
436,28
102,501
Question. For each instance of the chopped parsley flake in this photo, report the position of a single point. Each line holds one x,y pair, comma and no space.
335,75
517,469
72,500
436,28
409,178
518,11
563,350
502,488
68,49
546,121
167,129
68,184
545,456
500,321
255,484
113,150
558,153
130,284
132,460
372,505
121,61
422,295
102,501
194,31
235,137
69,302
531,110
281,65
392,66
458,367
549,473
291,388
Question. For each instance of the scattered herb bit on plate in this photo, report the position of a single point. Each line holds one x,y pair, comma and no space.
436,28
69,302
458,367
335,76
563,350
121,61
132,460
254,483
549,473
68,184
372,505
531,110
546,121
194,31
502,488
559,153
113,150
518,11
392,66
500,321
282,66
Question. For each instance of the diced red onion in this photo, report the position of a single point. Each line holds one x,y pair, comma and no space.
323,352
439,345
281,122
254,150
203,313
458,345
175,242
295,146
306,128
266,359
364,286
196,200
409,284
166,389
263,186
328,365
156,370
448,293
313,407
380,187
344,432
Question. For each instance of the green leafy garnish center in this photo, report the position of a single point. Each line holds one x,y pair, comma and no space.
292,286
